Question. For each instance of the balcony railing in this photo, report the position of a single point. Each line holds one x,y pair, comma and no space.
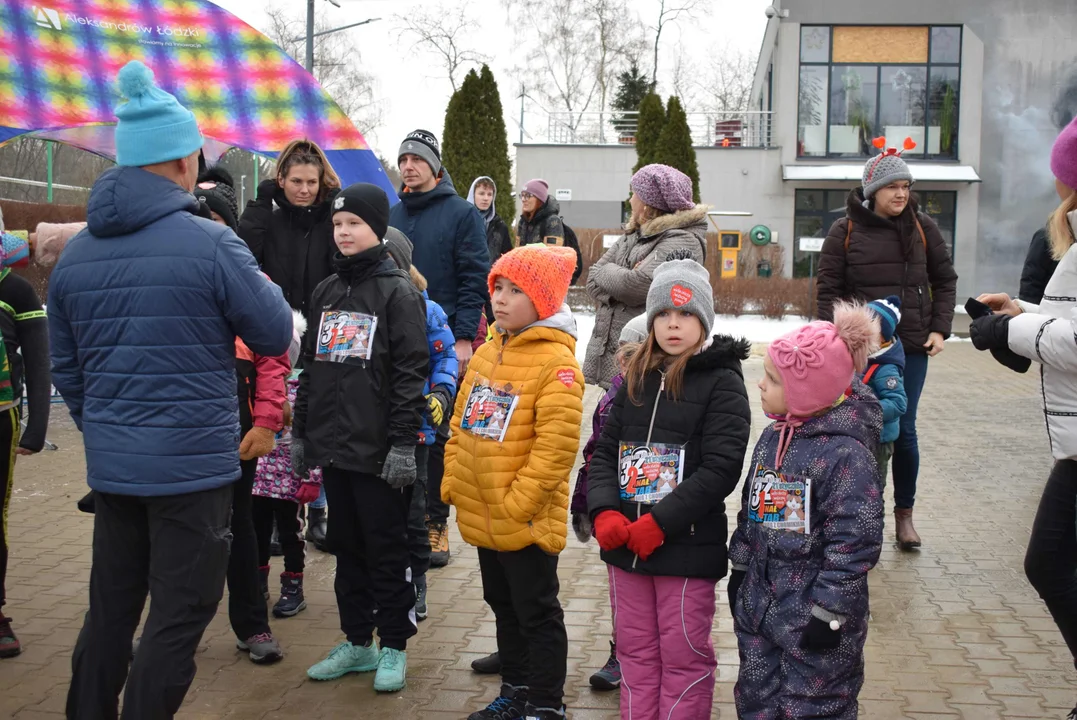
709,129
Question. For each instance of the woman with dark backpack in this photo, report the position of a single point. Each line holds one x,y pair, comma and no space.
541,223
886,246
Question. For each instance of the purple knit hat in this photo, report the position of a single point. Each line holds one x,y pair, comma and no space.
539,188
663,187
1064,156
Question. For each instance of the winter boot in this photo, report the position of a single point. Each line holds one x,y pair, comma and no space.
509,705
544,713
291,595
262,648
9,644
907,538
609,677
420,597
263,578
392,671
439,544
316,524
489,665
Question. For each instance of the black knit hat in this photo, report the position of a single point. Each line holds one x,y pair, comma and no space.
216,189
368,202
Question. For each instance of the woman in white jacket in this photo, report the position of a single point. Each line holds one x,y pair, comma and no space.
1047,333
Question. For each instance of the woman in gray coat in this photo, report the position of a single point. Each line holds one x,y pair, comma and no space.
664,220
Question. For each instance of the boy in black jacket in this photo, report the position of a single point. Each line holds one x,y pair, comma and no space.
357,416
22,325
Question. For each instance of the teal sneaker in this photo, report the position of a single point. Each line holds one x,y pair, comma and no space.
392,669
346,658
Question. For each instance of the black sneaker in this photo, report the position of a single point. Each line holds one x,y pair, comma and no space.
509,705
291,595
534,713
489,665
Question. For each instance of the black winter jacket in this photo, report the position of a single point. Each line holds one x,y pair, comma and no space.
1038,269
349,413
880,262
498,239
293,245
713,422
449,237
546,226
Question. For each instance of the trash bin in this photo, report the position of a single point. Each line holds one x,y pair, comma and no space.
763,268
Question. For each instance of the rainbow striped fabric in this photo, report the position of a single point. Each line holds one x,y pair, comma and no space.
59,59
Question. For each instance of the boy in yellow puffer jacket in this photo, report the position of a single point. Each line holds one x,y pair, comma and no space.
515,435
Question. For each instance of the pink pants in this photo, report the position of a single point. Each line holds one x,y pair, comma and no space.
662,627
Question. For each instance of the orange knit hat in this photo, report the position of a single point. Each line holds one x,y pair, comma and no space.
543,272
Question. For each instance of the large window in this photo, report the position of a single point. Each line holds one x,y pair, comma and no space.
857,83
817,210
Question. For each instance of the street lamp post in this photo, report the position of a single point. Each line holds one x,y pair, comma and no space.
311,34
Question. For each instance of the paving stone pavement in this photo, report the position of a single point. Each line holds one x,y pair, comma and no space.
956,631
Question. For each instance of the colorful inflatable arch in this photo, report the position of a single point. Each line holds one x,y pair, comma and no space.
59,59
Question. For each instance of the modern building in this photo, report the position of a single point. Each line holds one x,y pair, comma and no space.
971,82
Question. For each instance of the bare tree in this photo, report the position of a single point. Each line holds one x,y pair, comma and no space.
336,66
669,13
727,82
618,34
686,83
443,31
561,67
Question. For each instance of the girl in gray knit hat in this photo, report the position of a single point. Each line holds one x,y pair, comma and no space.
669,455
885,246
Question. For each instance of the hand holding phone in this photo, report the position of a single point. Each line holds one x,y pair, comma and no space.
977,309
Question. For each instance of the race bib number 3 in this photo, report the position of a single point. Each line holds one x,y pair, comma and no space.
343,335
650,472
780,502
489,409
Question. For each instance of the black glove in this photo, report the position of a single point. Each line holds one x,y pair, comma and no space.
299,459
732,588
819,636
991,332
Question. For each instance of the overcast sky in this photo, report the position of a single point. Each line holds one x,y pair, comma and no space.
412,93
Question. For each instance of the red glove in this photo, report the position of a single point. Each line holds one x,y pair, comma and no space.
307,492
644,537
611,529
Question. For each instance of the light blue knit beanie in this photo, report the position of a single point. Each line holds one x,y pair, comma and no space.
152,126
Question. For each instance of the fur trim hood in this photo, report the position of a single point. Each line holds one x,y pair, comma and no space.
682,219
723,351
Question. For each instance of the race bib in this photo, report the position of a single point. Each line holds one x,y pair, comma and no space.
780,502
489,409
650,472
343,335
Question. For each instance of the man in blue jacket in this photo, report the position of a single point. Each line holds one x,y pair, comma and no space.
144,308
449,236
